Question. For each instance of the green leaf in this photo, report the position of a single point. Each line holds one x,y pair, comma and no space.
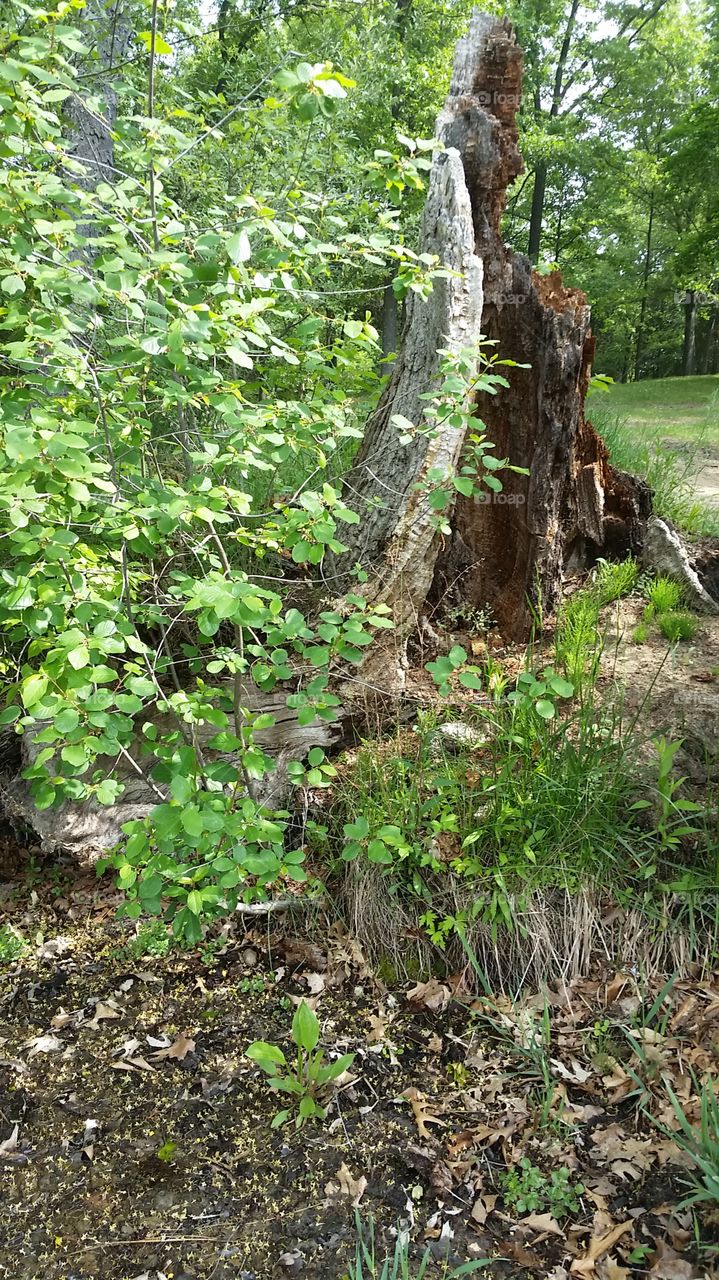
267,1056
305,1028
545,709
33,689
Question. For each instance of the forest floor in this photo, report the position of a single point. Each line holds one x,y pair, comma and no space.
136,1140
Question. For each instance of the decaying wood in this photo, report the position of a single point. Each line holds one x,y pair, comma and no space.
511,551
89,829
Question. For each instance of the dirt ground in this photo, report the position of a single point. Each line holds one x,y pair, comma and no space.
135,1137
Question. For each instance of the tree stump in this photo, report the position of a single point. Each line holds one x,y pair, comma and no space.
511,551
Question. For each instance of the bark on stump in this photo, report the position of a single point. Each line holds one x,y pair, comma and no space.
512,551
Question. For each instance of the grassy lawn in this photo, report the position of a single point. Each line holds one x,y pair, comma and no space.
672,408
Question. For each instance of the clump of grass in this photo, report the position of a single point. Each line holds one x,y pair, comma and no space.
578,643
664,609
367,1265
676,626
664,595
701,1145
613,580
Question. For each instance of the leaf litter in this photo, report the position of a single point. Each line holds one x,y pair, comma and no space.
137,1137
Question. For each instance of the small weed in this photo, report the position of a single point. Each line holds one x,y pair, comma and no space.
671,824
151,940
166,1153
677,626
308,1078
11,945
527,1189
640,634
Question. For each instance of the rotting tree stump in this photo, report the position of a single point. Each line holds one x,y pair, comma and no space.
511,551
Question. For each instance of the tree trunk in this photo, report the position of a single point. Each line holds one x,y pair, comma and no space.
536,217
645,292
511,552
690,330
390,326
109,32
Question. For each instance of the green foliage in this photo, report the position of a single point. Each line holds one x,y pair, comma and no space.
526,1189
578,643
614,580
152,939
544,801
160,380
664,595
671,826
701,1144
677,626
368,1266
11,945
640,448
308,1078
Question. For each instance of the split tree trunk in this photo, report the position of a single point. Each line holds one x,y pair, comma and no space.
511,552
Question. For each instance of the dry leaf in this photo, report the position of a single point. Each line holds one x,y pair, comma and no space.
315,983
482,1208
667,1265
346,1185
178,1050
10,1144
431,995
378,1024
543,1222
421,1109
54,947
43,1044
598,1246
608,1269
105,1011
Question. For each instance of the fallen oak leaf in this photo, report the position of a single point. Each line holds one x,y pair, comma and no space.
105,1011
346,1185
421,1112
178,1050
598,1246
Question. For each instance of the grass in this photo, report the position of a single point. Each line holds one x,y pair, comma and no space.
657,429
680,408
701,1144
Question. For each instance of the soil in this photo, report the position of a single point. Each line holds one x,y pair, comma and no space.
137,1141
